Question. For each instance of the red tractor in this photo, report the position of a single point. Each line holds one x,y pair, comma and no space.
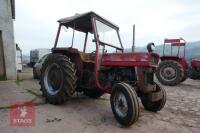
173,68
126,76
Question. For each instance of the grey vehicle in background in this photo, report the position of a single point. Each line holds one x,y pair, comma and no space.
37,54
37,67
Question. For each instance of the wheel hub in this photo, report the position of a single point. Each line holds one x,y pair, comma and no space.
53,79
121,105
168,73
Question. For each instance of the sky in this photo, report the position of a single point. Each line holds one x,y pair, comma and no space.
36,20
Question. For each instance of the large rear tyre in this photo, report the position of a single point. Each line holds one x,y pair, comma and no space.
169,73
155,106
58,79
184,77
124,104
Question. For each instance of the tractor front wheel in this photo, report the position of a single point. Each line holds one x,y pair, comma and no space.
155,105
58,79
124,104
169,73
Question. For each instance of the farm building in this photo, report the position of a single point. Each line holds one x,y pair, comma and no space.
7,42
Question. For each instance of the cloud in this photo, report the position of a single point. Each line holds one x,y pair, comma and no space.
36,26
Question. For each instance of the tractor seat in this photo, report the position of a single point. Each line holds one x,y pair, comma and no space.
86,58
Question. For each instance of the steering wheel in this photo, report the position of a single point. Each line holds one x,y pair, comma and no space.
93,52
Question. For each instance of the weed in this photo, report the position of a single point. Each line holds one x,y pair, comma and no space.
3,78
18,81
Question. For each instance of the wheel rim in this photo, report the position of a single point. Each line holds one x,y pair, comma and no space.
168,73
53,79
120,104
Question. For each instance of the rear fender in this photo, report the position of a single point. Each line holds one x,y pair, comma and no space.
74,56
175,58
180,60
195,63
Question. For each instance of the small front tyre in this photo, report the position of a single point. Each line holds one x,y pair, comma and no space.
124,104
155,106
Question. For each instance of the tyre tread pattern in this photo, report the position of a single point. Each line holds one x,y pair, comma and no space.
180,72
133,116
69,81
156,105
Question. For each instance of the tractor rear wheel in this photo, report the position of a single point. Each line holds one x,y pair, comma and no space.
184,77
58,79
155,105
124,104
169,73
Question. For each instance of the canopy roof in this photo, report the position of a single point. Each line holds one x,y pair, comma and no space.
82,22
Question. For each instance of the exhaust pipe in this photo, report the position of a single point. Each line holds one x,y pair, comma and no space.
133,46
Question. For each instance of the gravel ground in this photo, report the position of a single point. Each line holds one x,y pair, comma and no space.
82,114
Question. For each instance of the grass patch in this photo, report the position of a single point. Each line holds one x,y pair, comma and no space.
34,100
33,92
18,81
3,78
22,104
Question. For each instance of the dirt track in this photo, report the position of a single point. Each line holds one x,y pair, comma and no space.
82,114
